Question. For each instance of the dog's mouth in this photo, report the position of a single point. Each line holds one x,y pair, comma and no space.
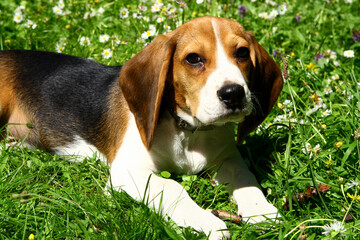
188,121
234,116
227,115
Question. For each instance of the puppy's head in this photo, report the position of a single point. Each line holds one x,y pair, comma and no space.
214,72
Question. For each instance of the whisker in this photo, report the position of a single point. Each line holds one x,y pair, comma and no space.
256,104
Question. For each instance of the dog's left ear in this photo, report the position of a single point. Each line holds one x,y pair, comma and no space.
142,80
265,84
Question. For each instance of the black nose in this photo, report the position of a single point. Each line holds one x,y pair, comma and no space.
232,95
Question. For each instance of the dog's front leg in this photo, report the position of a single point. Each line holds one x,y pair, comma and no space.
252,204
165,196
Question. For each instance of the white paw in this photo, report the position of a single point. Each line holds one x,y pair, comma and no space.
212,226
263,213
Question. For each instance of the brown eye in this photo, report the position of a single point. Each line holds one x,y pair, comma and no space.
242,54
194,59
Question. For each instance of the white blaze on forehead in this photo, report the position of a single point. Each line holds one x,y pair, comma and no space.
226,69
227,72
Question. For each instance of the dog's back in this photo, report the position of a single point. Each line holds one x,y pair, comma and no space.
69,94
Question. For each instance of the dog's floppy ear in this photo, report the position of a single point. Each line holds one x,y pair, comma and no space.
142,80
265,83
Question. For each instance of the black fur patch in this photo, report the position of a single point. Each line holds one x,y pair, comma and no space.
68,95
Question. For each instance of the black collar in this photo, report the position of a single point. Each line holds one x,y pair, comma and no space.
184,125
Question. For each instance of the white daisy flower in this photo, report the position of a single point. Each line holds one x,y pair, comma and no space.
61,4
31,24
67,12
167,28
328,90
18,17
100,11
330,53
93,14
86,15
171,11
349,54
273,14
353,183
335,77
63,41
199,1
334,229
140,40
280,118
107,53
151,32
143,8
282,9
287,103
152,28
104,38
156,7
84,41
60,47
178,23
160,19
57,10
326,113
117,40
124,13
317,148
307,149
20,8
263,15
269,2
333,55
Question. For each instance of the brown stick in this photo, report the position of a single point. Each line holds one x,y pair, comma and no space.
226,216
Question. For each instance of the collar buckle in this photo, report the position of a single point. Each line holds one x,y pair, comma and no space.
184,125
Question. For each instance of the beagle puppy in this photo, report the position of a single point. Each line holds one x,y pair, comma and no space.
171,107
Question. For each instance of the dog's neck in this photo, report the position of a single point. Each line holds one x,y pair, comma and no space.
184,125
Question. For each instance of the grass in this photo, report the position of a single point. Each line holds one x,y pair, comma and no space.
311,136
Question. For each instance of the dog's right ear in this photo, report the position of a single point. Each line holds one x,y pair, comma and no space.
142,80
266,85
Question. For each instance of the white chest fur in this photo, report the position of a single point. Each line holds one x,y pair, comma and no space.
182,151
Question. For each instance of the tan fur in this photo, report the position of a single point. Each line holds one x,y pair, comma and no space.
20,126
160,67
7,99
142,82
194,37
164,59
7,94
113,126
266,85
197,36
233,36
11,110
